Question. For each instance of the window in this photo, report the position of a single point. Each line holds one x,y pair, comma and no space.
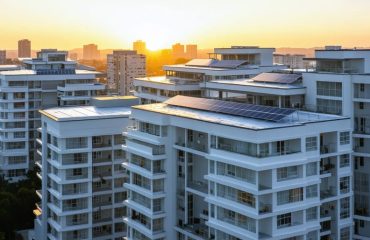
362,87
311,144
344,185
284,220
311,214
287,173
361,105
344,160
290,196
344,208
311,169
329,89
311,191
344,138
344,233
329,106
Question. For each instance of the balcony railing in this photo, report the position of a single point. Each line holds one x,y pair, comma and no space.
199,186
328,148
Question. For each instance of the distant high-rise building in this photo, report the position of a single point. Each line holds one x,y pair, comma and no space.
139,46
178,50
291,60
91,52
73,56
191,51
2,56
122,67
24,48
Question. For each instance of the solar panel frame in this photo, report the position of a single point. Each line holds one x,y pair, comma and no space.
267,113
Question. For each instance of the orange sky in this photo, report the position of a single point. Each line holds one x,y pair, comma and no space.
67,24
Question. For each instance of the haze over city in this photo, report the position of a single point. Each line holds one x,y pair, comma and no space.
184,120
115,23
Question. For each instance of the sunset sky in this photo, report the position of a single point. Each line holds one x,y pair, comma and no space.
67,24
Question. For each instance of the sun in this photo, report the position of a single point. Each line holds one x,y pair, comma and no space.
155,44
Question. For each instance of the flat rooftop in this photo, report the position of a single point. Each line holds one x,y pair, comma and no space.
295,119
251,83
109,98
166,80
32,72
85,113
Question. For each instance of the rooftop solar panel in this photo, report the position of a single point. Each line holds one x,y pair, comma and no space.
232,108
277,78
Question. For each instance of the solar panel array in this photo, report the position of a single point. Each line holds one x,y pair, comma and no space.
277,78
267,113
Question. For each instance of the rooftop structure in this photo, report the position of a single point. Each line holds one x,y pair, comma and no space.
192,77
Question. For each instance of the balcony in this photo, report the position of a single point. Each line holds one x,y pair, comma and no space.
200,186
265,208
328,148
199,229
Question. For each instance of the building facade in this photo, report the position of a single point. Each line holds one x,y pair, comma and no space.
47,81
294,61
199,172
2,57
340,85
91,52
178,51
24,48
139,46
191,51
82,174
122,67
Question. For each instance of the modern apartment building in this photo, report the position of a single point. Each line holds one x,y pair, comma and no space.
24,48
46,81
191,79
340,85
82,174
91,52
2,57
211,169
294,61
122,67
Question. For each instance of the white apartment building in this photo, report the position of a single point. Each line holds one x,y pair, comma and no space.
82,174
46,81
294,61
191,78
341,85
211,169
122,67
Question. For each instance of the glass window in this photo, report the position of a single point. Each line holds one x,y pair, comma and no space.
329,89
311,169
344,160
344,138
311,214
311,144
311,191
284,220
344,208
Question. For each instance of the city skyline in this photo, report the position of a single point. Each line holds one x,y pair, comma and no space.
116,24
